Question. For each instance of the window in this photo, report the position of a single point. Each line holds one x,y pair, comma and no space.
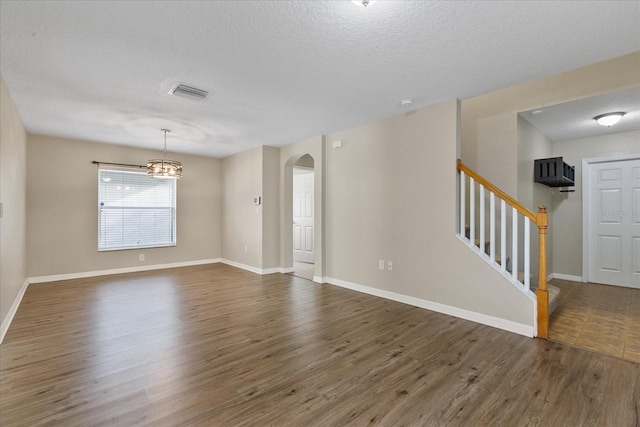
135,210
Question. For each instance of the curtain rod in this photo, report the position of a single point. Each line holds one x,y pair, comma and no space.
118,164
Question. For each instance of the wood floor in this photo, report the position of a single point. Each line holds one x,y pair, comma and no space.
217,346
598,317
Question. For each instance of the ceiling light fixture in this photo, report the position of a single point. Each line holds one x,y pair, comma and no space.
406,103
364,3
609,119
164,169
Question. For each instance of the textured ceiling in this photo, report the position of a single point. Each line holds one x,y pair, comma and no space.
573,120
281,71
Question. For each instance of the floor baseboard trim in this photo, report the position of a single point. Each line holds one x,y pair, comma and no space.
568,277
260,271
85,274
6,322
496,322
319,279
273,270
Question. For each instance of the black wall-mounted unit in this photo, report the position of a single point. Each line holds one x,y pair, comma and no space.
553,172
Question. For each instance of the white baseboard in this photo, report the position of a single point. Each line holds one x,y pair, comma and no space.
261,271
85,274
319,279
566,277
6,322
496,322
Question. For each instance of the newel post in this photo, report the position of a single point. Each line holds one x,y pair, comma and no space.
542,293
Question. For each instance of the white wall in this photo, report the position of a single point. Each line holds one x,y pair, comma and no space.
62,201
567,207
13,165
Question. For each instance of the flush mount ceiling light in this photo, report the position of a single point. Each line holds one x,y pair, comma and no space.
406,103
609,119
164,169
364,3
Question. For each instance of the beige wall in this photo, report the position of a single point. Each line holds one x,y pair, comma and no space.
489,122
532,145
13,165
567,207
391,194
270,207
388,193
241,219
62,202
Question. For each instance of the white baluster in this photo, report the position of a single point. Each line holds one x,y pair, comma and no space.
514,244
472,211
527,254
492,226
463,196
503,236
482,249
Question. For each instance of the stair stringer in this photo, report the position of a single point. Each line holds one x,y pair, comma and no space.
507,276
496,266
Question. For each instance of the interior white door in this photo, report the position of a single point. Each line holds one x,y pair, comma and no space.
614,223
303,216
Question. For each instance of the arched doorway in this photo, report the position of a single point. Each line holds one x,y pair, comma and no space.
307,246
303,238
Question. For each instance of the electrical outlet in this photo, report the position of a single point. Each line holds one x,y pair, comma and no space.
141,257
390,266
381,264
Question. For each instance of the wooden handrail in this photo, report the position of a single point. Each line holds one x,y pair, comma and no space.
540,219
504,196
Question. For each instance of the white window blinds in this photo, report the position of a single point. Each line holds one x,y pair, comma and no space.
135,210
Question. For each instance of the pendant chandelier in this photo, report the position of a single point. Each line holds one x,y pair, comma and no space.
164,169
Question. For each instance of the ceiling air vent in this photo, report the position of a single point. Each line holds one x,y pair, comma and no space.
189,92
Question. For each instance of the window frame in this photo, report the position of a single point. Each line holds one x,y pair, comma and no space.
174,209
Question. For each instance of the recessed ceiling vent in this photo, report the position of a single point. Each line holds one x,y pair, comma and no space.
189,92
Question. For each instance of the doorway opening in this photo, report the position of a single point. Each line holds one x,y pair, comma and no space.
598,314
303,233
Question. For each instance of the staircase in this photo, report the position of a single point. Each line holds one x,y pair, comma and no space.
554,291
498,228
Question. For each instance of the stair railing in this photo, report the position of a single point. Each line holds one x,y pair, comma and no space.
468,235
